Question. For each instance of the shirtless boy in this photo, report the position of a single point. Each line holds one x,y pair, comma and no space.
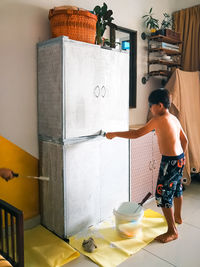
172,143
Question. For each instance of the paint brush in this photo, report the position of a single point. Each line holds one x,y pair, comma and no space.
43,178
81,139
143,201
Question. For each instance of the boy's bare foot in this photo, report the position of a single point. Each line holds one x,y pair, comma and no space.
178,219
167,237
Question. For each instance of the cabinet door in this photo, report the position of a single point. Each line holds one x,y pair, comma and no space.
156,161
82,186
141,167
82,106
52,202
114,175
115,91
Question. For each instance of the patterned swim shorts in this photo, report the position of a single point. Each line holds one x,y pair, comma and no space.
169,183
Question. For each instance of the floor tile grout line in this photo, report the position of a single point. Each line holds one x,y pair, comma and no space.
159,257
194,226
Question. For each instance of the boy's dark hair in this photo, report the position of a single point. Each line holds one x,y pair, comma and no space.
160,95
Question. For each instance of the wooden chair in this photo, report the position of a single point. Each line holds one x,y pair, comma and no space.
11,237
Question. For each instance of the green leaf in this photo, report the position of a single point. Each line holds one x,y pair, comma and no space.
104,5
97,10
108,14
104,9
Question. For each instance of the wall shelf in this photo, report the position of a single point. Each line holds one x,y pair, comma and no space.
164,62
162,38
162,45
166,51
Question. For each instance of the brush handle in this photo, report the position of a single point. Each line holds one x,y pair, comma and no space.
15,174
145,199
39,178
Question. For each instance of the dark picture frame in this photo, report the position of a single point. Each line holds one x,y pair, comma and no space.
133,60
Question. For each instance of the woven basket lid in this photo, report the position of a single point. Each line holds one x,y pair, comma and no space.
70,10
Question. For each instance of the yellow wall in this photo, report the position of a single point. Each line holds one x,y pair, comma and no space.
21,192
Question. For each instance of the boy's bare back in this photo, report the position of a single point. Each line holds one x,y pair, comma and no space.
168,131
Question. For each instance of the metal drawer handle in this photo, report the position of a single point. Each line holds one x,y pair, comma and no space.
103,91
154,164
150,165
97,91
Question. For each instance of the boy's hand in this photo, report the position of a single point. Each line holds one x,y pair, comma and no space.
7,174
110,135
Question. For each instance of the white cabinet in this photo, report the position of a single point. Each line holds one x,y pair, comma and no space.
100,75
145,161
114,175
81,89
82,186
82,107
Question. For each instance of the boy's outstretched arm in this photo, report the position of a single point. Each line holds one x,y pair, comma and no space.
184,140
151,125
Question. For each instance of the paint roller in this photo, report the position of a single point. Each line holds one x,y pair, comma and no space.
43,178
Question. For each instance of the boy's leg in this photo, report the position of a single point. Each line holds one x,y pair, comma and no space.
177,209
171,233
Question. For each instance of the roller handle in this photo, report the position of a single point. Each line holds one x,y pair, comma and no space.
15,174
145,199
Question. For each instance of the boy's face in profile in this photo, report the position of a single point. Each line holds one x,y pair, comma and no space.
156,109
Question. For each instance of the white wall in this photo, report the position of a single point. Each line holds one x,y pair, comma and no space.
23,23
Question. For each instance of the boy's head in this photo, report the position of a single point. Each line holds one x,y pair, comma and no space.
160,96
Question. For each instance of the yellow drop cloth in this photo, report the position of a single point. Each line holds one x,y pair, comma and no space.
44,249
113,249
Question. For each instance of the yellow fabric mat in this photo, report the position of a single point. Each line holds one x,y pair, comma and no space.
44,249
113,249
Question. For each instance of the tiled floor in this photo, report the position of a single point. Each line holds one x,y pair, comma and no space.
183,252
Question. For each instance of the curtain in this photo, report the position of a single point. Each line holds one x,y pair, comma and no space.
187,22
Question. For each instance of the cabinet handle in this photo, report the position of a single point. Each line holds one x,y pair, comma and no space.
154,164
150,166
97,91
103,91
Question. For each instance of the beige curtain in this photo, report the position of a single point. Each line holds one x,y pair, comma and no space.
187,22
184,87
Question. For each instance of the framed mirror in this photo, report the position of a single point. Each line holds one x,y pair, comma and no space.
128,41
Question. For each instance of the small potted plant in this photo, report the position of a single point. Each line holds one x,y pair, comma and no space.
104,18
165,24
151,22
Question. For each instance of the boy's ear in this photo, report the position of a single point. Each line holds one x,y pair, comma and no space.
160,105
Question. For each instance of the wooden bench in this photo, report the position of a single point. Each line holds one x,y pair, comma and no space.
11,235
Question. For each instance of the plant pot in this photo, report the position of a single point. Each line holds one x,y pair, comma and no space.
153,32
160,32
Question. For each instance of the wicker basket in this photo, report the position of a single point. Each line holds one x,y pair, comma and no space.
76,24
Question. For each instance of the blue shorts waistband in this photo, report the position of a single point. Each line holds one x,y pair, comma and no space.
166,158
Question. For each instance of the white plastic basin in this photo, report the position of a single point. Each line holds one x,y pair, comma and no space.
128,218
